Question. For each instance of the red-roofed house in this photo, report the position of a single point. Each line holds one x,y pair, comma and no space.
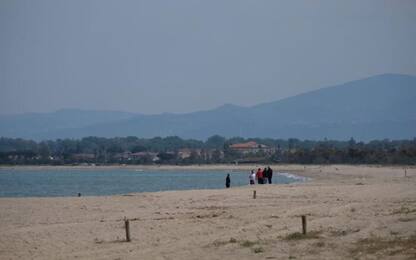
251,147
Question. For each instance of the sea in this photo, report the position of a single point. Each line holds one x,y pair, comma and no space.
16,182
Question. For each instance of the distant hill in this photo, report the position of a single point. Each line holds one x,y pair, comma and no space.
48,125
373,108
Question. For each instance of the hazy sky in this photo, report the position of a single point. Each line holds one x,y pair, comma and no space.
181,56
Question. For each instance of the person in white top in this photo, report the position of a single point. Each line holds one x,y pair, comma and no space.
252,177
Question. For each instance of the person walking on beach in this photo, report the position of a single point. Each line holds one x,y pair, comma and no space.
269,174
259,176
227,181
252,177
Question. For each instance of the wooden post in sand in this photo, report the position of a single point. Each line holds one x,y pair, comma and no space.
254,194
304,224
405,172
127,226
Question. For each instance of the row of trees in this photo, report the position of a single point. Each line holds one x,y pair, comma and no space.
215,149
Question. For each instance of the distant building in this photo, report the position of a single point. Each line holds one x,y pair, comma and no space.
123,156
128,156
184,153
209,154
251,147
83,156
143,155
187,152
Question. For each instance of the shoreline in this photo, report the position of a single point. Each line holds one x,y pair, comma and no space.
281,177
204,166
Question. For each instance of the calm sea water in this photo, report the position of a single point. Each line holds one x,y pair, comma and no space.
67,182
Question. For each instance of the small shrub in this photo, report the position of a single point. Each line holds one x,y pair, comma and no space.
403,210
218,243
374,245
258,250
299,236
248,243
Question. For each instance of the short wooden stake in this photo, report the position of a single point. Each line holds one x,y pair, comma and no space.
405,172
79,194
254,194
304,225
127,226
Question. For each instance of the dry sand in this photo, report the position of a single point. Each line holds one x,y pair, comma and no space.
352,213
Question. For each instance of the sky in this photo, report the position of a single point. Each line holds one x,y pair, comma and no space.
151,56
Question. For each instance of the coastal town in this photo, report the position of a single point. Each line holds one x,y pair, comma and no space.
216,149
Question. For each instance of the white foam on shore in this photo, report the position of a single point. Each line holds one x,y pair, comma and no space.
293,176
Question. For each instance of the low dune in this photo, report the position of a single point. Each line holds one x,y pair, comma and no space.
352,212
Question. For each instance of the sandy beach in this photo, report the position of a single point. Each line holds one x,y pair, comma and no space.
353,212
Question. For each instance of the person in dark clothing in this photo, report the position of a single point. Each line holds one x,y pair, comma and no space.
227,181
265,176
269,174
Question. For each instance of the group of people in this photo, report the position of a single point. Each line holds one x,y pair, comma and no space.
262,176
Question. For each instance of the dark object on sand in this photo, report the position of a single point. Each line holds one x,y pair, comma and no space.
304,225
127,227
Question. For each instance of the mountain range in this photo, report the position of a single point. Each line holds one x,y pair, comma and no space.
378,107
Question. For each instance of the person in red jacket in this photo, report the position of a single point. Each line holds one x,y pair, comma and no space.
259,176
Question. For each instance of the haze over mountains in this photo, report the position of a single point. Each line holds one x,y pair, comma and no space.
378,107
